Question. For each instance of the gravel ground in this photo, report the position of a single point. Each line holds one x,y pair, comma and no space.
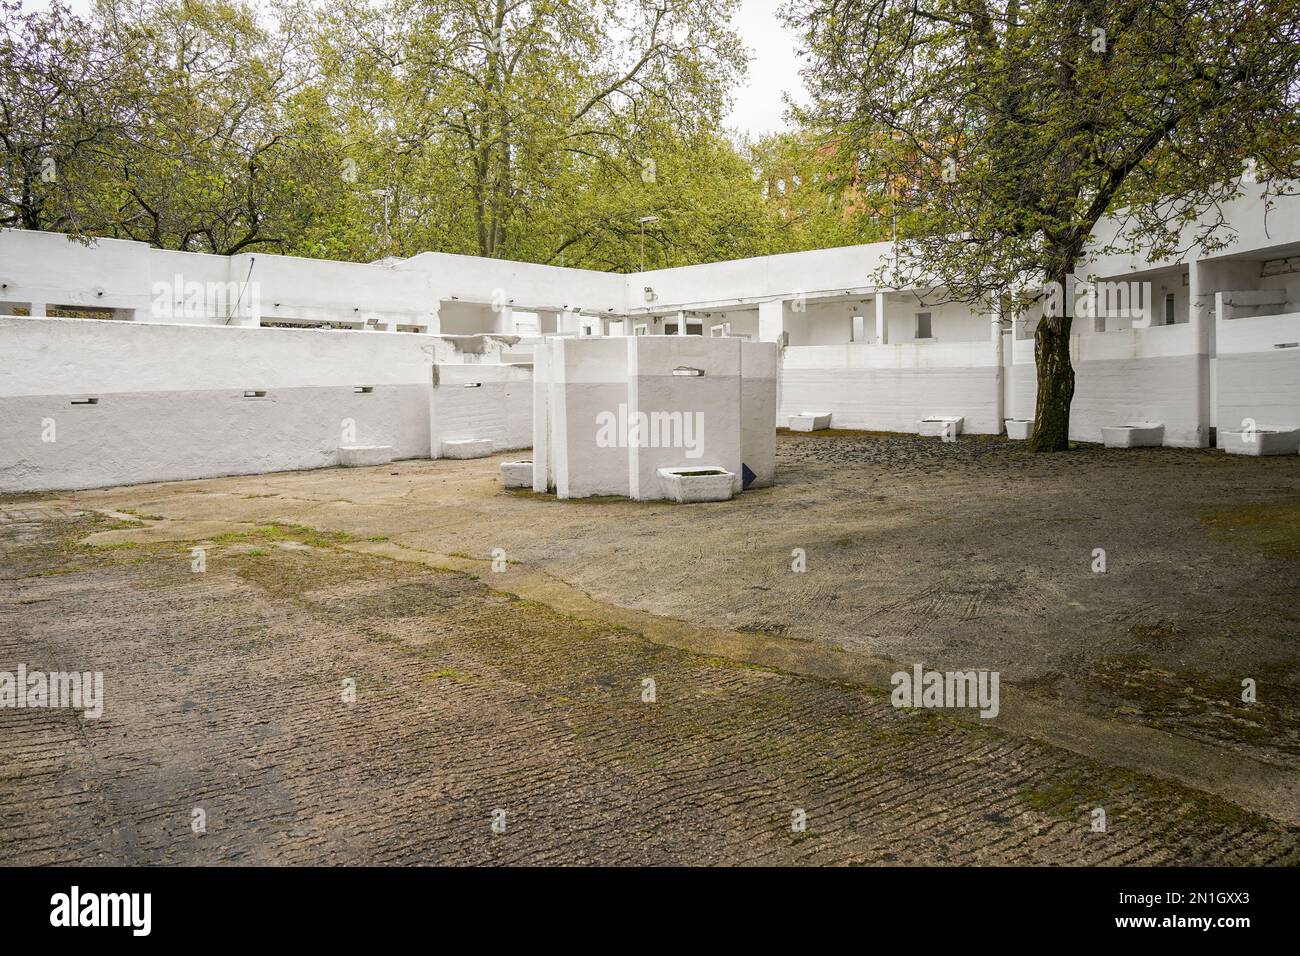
224,696
972,554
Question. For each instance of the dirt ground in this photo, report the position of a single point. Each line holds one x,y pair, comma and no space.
522,690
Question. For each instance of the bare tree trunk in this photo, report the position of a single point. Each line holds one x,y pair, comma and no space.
1055,384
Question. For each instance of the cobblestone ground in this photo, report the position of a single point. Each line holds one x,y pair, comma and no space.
224,694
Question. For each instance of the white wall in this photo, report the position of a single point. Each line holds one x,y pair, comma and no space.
823,270
582,383
530,286
890,387
171,400
1255,378
481,401
50,269
1124,376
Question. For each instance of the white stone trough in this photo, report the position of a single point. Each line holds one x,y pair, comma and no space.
687,485
467,448
810,421
1019,428
1261,441
357,456
517,474
940,426
1133,435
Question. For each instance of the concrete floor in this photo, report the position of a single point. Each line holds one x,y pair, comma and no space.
522,690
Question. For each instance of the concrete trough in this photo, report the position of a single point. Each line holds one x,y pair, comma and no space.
1133,435
1018,429
1261,441
810,421
940,426
357,456
689,485
467,448
517,474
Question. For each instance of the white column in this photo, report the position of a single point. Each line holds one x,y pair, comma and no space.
1203,316
681,323
432,324
38,310
882,324
772,318
999,383
503,320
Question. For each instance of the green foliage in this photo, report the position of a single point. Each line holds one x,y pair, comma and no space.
1007,129
540,130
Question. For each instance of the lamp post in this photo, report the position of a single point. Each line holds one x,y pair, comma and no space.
384,194
643,221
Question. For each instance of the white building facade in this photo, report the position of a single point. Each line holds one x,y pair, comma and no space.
122,363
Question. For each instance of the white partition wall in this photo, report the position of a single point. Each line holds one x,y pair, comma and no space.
610,412
890,387
86,403
1125,376
686,390
759,385
1258,375
481,401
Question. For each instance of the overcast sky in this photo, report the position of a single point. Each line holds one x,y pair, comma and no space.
774,69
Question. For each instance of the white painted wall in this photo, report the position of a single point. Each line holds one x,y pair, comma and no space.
48,268
890,387
1258,371
530,286
584,383
1125,376
171,400
171,395
481,401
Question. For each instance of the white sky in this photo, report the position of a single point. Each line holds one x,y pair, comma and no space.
774,69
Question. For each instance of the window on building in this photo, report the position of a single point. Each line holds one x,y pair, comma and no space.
858,333
1169,308
923,330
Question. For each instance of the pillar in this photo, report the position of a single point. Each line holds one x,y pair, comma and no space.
1202,315
773,317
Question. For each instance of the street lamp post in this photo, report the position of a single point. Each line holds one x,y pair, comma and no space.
384,194
644,220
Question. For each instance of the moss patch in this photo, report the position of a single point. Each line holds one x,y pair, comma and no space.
1272,527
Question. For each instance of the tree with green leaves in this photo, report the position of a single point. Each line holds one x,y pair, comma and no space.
62,121
209,158
522,101
817,189
1014,126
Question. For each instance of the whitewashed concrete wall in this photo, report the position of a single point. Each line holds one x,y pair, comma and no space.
1124,376
481,401
1251,227
1256,378
524,285
759,386
587,377
890,387
764,277
583,382
171,400
52,270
